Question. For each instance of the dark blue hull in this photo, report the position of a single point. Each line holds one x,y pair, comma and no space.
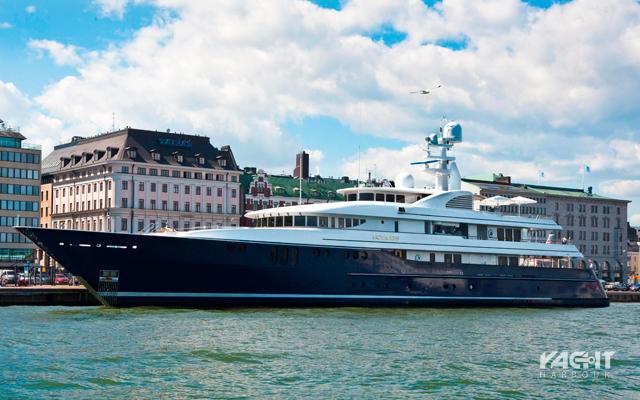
133,270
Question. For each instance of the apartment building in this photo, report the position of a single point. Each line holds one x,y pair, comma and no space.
596,224
19,196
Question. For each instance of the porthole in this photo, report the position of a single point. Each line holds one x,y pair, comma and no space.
445,285
355,255
453,286
364,255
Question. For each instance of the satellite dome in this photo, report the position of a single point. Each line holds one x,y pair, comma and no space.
405,181
452,132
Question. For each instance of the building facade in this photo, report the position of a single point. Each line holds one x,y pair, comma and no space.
136,180
261,190
19,196
597,225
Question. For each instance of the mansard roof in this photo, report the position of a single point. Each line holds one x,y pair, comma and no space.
114,146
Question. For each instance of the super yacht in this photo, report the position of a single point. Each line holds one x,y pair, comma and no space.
392,245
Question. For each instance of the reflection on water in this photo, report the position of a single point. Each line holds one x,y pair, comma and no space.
100,352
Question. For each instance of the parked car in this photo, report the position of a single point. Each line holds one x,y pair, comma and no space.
7,278
43,279
62,279
23,280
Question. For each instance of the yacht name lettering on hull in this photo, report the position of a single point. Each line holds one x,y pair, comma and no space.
385,238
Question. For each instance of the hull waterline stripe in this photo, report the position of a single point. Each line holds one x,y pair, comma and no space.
468,277
309,296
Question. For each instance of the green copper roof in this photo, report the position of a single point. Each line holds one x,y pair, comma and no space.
489,181
312,188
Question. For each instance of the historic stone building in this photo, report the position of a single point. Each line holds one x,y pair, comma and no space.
135,180
596,224
19,196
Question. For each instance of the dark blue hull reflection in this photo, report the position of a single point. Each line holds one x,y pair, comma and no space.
133,270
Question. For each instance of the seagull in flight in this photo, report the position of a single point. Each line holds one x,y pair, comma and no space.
425,91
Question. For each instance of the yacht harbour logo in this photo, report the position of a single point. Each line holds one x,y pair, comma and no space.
565,364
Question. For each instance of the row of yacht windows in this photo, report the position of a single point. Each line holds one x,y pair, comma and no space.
310,220
430,227
391,198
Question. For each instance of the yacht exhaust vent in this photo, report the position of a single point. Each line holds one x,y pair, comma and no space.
464,201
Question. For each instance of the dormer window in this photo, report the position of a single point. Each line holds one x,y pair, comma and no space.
97,154
112,151
87,156
201,159
178,156
155,155
132,152
222,162
76,159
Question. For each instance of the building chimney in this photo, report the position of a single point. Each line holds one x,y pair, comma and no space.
302,165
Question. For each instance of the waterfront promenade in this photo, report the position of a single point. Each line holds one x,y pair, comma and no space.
61,295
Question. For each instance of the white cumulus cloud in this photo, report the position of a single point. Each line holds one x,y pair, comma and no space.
535,89
60,53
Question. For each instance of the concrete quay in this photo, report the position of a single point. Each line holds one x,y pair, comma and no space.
623,297
46,296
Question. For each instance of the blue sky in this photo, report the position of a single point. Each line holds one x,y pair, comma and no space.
538,85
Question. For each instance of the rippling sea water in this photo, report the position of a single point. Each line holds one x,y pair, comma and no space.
98,352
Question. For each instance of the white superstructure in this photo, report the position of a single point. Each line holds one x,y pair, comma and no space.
431,225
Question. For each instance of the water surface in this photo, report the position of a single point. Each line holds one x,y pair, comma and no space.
99,352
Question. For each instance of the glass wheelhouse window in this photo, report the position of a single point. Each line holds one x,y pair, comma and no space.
356,222
298,220
340,223
272,221
390,198
279,221
324,222
312,221
348,222
333,222
379,196
288,221
366,196
400,198
352,197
